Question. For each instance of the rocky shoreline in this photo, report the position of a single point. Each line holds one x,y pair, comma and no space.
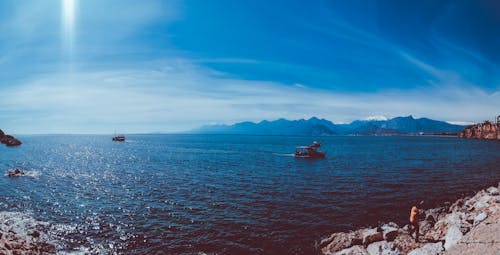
485,130
469,226
12,243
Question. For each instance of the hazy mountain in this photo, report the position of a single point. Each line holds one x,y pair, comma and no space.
320,127
312,126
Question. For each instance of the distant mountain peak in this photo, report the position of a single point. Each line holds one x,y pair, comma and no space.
317,126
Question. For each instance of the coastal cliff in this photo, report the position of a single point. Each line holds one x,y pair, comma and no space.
9,140
468,226
485,130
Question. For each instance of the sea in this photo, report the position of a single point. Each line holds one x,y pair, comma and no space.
228,194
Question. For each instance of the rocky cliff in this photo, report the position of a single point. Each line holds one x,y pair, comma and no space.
469,226
485,130
8,140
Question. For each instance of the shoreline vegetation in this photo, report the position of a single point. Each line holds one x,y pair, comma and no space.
468,226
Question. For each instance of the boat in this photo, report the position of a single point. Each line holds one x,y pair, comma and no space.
16,173
310,151
119,138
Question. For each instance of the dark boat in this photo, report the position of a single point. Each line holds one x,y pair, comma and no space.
119,138
16,173
310,151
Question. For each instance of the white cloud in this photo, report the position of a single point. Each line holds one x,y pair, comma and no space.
179,96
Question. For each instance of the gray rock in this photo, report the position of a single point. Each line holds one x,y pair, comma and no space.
382,248
339,241
482,202
425,226
371,236
480,217
428,249
493,191
355,250
390,231
452,237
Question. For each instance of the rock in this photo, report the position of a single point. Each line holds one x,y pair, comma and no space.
405,243
371,235
482,202
382,248
35,234
13,142
493,191
457,206
2,134
389,233
355,250
485,130
339,241
428,249
10,140
480,217
425,226
435,214
453,236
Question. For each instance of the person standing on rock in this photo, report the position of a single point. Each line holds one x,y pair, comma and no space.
413,227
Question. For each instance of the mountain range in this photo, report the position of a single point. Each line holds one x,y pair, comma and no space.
322,127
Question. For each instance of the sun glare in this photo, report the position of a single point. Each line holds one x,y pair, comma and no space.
69,10
68,27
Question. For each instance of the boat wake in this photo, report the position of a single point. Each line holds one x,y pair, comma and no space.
285,154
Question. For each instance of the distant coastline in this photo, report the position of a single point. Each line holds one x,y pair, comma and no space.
322,127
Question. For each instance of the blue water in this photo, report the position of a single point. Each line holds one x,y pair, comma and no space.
184,194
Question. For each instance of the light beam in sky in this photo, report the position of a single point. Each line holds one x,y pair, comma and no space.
68,28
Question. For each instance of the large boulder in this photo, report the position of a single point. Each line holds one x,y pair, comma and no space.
493,191
482,202
429,249
480,217
371,235
390,231
339,241
453,236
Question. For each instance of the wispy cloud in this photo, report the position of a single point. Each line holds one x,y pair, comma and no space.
179,96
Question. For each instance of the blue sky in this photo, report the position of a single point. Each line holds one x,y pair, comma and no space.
74,66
